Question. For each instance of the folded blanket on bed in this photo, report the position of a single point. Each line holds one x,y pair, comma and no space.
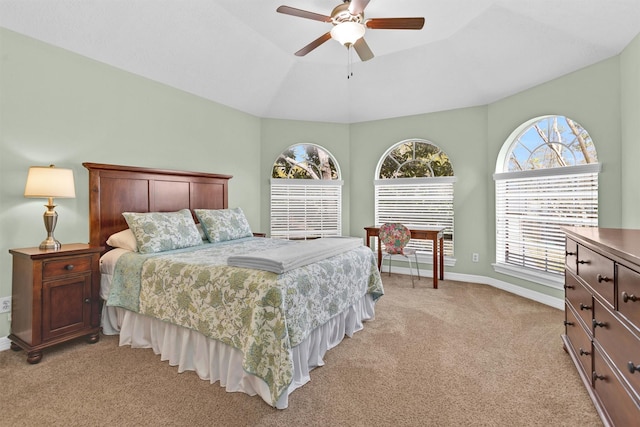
297,254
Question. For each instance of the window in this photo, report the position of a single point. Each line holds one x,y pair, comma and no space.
414,186
546,177
306,194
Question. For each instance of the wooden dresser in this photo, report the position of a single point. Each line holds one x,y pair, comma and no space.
602,318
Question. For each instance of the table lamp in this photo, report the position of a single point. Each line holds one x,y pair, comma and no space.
49,182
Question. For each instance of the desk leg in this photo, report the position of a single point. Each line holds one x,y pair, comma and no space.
435,263
442,258
369,236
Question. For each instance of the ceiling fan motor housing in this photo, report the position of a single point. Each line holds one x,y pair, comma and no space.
341,14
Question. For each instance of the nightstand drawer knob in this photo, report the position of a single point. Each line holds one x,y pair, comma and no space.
69,267
584,307
633,368
626,297
598,324
584,353
87,300
602,278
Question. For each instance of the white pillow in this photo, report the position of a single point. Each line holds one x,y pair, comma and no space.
123,239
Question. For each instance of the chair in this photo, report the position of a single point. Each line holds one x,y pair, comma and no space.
394,237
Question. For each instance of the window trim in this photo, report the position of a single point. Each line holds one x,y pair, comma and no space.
566,170
413,181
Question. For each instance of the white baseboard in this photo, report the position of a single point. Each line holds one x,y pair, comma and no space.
5,343
483,280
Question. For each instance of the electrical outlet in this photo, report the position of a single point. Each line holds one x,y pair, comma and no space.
475,257
5,305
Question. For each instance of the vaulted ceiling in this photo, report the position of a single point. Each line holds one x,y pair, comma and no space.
240,53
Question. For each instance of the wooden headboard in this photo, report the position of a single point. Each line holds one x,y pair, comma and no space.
115,189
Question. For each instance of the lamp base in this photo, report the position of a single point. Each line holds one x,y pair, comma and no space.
50,244
50,219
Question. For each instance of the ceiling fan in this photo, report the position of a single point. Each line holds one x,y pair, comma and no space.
349,26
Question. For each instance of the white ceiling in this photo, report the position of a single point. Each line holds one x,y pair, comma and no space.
240,52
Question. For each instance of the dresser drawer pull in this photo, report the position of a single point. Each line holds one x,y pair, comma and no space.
567,323
69,267
601,324
569,287
626,297
584,353
595,376
633,368
581,261
567,253
602,278
584,307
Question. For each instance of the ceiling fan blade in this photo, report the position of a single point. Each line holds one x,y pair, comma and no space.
363,50
395,23
357,6
303,13
314,44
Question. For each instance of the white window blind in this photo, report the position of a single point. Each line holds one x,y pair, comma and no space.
531,207
302,208
417,202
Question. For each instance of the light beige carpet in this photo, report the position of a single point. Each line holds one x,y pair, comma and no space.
461,355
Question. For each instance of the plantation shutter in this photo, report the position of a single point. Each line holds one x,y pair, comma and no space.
302,208
531,206
417,202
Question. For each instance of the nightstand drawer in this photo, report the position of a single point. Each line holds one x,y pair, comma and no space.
621,344
571,255
597,271
629,295
580,298
621,407
579,339
66,266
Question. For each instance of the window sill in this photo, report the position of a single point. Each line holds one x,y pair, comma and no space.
551,280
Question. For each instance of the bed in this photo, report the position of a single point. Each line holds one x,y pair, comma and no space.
227,305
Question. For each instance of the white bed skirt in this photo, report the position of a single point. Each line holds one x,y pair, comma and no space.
215,361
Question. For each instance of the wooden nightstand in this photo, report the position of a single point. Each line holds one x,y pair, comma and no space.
55,297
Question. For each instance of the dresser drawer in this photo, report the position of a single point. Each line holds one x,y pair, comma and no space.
580,298
622,345
629,295
621,407
598,272
66,266
571,255
580,341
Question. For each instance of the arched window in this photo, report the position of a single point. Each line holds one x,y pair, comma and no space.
306,194
546,177
414,186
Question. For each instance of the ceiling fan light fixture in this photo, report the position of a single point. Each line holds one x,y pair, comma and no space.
347,33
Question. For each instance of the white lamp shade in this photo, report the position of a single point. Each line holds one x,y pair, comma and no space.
347,33
49,181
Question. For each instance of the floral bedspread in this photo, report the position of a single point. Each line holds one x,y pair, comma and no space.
263,314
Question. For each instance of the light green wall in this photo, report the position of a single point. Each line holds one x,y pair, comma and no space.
58,107
630,114
459,133
591,97
278,135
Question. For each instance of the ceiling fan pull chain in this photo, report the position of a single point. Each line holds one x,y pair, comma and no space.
349,63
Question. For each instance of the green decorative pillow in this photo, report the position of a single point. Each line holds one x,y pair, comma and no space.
223,224
163,231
